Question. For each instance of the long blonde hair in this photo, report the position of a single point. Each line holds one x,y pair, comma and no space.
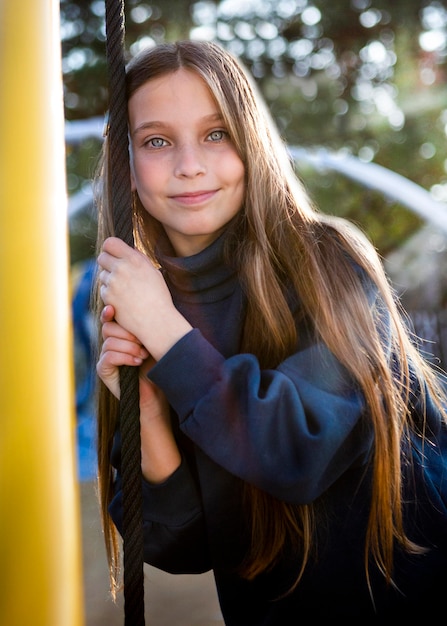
281,239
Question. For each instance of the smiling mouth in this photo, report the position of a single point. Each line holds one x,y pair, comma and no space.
196,197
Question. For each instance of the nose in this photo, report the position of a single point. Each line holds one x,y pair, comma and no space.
190,161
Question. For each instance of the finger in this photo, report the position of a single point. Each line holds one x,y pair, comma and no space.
113,329
103,292
105,261
104,276
116,247
122,346
111,360
109,373
107,314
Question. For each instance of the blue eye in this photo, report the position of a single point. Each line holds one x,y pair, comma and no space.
156,142
217,135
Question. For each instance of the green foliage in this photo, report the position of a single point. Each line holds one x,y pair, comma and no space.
84,46
82,236
82,160
81,164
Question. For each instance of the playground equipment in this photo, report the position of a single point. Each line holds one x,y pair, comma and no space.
39,519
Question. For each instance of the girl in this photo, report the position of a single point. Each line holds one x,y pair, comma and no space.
293,440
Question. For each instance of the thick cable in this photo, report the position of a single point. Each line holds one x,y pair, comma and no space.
129,412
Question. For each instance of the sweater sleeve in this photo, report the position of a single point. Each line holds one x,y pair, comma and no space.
174,531
291,431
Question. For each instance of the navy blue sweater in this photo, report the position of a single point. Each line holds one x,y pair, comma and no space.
298,432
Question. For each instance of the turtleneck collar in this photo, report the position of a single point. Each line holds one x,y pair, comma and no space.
203,277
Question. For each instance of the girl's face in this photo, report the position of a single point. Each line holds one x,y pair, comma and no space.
185,169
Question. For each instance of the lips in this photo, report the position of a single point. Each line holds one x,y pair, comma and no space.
195,197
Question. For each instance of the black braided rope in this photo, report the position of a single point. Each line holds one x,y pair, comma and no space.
129,411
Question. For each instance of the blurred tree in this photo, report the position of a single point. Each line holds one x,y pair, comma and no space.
367,76
83,45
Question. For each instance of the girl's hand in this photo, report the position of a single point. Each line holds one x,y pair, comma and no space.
159,452
140,297
119,348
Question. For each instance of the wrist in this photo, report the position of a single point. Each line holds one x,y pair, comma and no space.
160,456
173,328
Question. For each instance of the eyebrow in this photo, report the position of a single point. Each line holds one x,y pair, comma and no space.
213,117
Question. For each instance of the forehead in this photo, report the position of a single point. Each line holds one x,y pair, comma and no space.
182,90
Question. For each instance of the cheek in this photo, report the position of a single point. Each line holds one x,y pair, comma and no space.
232,169
238,168
239,176
147,179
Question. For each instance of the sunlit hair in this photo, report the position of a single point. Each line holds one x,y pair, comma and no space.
279,239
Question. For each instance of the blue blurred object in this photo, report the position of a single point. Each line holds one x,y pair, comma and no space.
84,350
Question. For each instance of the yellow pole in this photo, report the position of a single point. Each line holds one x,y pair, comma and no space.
40,548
